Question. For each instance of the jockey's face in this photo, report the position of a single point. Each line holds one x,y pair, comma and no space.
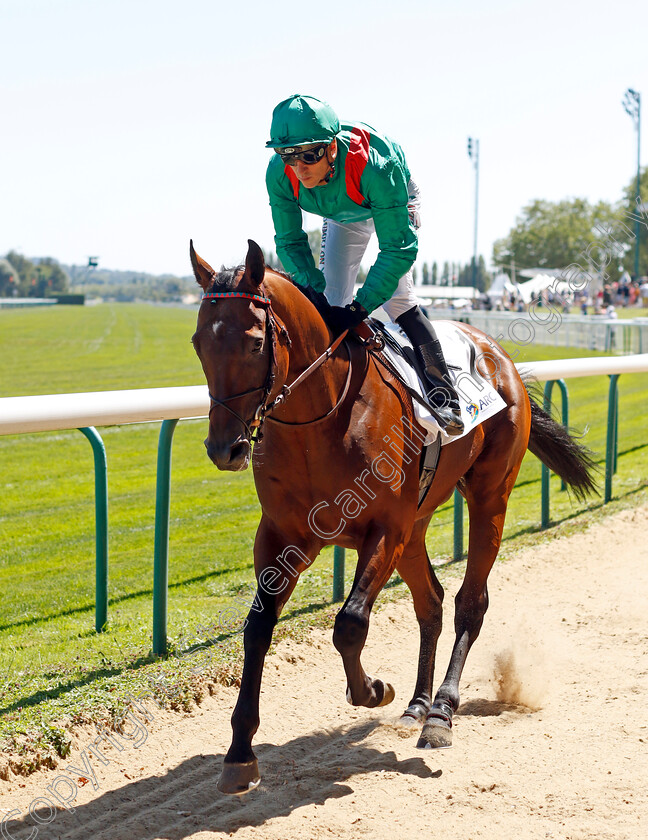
314,174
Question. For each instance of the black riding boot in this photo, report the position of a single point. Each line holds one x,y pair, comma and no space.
426,345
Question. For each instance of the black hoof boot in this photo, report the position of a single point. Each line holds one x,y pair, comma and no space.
442,393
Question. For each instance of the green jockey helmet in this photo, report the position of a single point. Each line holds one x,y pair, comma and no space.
300,120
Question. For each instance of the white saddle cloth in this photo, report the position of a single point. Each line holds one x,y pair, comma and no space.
477,397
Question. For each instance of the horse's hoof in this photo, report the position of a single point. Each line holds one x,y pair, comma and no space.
238,779
437,731
388,693
435,735
383,691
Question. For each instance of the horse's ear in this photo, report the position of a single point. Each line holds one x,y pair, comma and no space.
202,270
254,264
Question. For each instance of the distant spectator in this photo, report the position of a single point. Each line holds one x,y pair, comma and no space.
610,312
643,291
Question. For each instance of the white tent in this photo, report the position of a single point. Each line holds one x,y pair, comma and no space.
532,289
500,286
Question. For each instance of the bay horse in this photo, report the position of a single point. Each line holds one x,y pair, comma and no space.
338,463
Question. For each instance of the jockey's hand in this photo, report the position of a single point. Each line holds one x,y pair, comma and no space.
340,318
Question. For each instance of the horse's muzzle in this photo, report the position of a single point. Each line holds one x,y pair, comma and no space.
234,456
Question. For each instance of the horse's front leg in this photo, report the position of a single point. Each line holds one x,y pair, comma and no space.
377,558
277,565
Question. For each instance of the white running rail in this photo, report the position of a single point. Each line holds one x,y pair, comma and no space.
52,412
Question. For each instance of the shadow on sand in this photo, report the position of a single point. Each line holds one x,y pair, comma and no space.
307,770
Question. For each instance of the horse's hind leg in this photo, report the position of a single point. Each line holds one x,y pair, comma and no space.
427,593
377,557
487,500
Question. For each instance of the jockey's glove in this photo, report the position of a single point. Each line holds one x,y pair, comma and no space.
317,298
340,318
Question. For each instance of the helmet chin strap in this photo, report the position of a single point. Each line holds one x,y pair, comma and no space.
331,171
329,174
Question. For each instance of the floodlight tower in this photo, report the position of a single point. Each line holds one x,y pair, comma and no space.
632,105
473,154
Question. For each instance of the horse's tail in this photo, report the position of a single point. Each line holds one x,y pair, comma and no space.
553,444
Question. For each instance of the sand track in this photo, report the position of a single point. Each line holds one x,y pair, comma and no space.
550,741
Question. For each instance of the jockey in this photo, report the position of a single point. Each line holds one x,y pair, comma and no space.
359,182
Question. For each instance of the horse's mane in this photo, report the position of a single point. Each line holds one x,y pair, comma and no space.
283,274
226,280
318,299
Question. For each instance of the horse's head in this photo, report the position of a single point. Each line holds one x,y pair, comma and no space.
235,340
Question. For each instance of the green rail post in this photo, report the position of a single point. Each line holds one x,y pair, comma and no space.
545,474
616,430
457,552
338,573
613,406
101,526
161,549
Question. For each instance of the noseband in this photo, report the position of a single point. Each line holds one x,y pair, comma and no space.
264,408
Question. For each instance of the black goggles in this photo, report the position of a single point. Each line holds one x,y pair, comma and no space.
291,154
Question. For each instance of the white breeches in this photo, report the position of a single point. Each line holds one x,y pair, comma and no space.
344,246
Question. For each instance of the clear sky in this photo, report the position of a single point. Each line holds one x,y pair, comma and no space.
129,126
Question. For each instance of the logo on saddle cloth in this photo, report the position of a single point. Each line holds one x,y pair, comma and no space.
354,165
474,408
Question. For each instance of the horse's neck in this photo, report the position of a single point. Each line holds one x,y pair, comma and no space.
309,337
308,332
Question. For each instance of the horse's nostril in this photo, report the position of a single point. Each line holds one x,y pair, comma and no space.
228,456
240,450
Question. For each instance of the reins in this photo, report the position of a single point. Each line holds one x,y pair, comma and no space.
288,389
264,408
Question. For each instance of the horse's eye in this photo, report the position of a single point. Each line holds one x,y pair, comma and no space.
258,344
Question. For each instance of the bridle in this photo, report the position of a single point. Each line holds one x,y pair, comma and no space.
274,327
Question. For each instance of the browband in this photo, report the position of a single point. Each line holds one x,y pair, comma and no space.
258,298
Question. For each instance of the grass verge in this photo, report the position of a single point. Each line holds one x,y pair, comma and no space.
57,672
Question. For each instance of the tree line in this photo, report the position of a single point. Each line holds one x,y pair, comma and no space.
20,277
556,234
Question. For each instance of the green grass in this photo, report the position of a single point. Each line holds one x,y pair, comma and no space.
631,312
67,349
53,666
